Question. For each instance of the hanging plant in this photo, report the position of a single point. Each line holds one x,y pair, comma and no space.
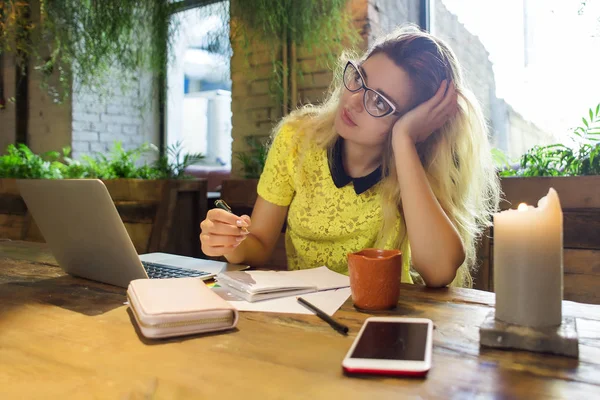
89,39
322,25
305,22
86,37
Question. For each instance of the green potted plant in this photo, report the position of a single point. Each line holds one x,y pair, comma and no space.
160,206
574,172
570,169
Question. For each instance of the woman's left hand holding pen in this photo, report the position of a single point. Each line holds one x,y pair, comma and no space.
222,232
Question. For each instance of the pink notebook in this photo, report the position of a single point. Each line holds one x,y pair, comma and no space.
177,307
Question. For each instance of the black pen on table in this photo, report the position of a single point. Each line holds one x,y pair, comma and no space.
343,329
224,206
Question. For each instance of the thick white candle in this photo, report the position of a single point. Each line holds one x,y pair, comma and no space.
528,263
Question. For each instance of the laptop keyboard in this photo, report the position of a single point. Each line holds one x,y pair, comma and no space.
161,271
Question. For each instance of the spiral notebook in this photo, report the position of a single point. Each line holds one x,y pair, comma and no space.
262,285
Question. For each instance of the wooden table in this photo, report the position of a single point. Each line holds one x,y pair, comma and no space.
64,337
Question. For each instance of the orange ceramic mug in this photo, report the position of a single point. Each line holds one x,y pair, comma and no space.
375,278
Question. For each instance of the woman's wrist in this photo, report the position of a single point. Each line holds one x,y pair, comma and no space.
401,142
237,255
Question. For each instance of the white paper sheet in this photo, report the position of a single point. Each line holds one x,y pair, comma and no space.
329,301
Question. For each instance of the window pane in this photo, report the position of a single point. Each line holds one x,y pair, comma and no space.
532,63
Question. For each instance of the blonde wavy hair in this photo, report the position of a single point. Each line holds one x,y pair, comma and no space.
457,158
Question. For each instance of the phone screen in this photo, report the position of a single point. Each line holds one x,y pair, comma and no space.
392,341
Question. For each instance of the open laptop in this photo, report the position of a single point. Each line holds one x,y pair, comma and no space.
86,235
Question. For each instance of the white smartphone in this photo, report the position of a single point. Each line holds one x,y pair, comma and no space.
391,346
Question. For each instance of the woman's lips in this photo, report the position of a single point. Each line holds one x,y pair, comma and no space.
346,118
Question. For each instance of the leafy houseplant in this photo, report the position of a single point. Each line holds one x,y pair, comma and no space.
583,158
253,160
20,162
148,197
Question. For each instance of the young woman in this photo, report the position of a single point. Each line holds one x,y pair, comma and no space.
396,157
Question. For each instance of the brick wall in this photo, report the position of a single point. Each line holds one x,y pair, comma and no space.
255,110
126,115
83,121
7,115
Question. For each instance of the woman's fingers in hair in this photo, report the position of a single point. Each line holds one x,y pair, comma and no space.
447,107
439,95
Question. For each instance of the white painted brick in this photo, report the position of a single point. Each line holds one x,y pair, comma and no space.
79,147
138,102
96,108
99,121
99,127
85,98
131,129
99,147
111,138
79,106
131,145
86,136
136,121
120,100
81,126
133,140
117,119
114,128
117,109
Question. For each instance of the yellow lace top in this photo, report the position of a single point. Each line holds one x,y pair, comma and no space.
325,223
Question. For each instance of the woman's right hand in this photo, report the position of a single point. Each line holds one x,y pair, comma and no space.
222,232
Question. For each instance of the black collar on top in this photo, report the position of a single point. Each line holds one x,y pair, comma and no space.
341,178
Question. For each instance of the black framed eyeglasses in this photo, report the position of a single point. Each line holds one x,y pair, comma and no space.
376,104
